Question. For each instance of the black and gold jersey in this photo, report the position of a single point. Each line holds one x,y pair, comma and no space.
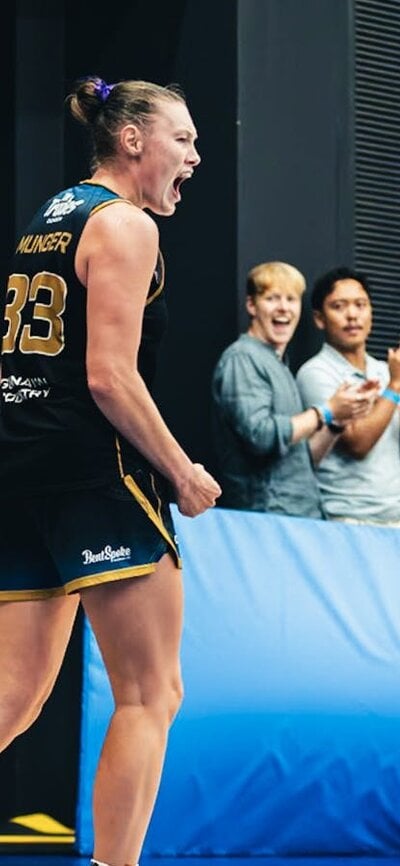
52,435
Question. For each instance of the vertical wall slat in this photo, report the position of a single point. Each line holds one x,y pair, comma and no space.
377,162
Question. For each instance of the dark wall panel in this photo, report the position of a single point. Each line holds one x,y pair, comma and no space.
295,161
200,240
7,137
38,771
139,40
377,170
39,94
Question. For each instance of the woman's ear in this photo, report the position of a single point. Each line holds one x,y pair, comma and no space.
131,138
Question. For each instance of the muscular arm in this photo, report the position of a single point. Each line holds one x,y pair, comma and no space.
361,435
317,385
116,260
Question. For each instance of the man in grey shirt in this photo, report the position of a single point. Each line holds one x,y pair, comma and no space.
359,479
265,442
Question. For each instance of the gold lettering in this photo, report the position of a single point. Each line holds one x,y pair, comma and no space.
47,242
22,244
29,244
40,243
64,240
54,241
37,243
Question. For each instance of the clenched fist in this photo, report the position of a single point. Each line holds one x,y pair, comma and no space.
197,492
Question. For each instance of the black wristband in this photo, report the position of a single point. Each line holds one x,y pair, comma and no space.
320,417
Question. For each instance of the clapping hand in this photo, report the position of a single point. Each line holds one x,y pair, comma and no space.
352,400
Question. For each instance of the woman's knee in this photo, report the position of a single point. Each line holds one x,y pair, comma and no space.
18,711
160,696
175,698
164,697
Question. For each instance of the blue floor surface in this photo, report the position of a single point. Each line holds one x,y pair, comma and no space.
72,860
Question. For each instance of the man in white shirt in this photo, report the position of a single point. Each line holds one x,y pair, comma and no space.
359,479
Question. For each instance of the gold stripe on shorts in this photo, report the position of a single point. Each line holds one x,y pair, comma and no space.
142,500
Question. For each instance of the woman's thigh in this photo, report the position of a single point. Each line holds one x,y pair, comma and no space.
138,624
33,638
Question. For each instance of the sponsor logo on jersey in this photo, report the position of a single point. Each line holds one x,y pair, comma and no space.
61,207
108,554
16,389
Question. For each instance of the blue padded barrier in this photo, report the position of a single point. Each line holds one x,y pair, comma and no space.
288,741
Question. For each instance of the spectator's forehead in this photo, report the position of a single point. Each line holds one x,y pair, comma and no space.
280,287
347,289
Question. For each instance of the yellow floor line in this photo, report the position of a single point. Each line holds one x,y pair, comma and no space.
22,840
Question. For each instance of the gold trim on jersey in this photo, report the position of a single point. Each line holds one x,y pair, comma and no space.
159,288
78,583
145,503
90,182
153,487
109,576
160,259
103,204
106,203
30,594
109,201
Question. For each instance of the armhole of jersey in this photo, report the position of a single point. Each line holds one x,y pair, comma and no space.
160,259
159,288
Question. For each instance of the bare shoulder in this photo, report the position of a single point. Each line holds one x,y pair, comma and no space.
121,223
118,237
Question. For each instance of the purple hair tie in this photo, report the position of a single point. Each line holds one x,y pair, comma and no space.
102,89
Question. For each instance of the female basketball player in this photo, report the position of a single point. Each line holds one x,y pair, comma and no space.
86,456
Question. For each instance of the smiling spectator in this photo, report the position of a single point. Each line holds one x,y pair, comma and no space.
266,444
359,479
